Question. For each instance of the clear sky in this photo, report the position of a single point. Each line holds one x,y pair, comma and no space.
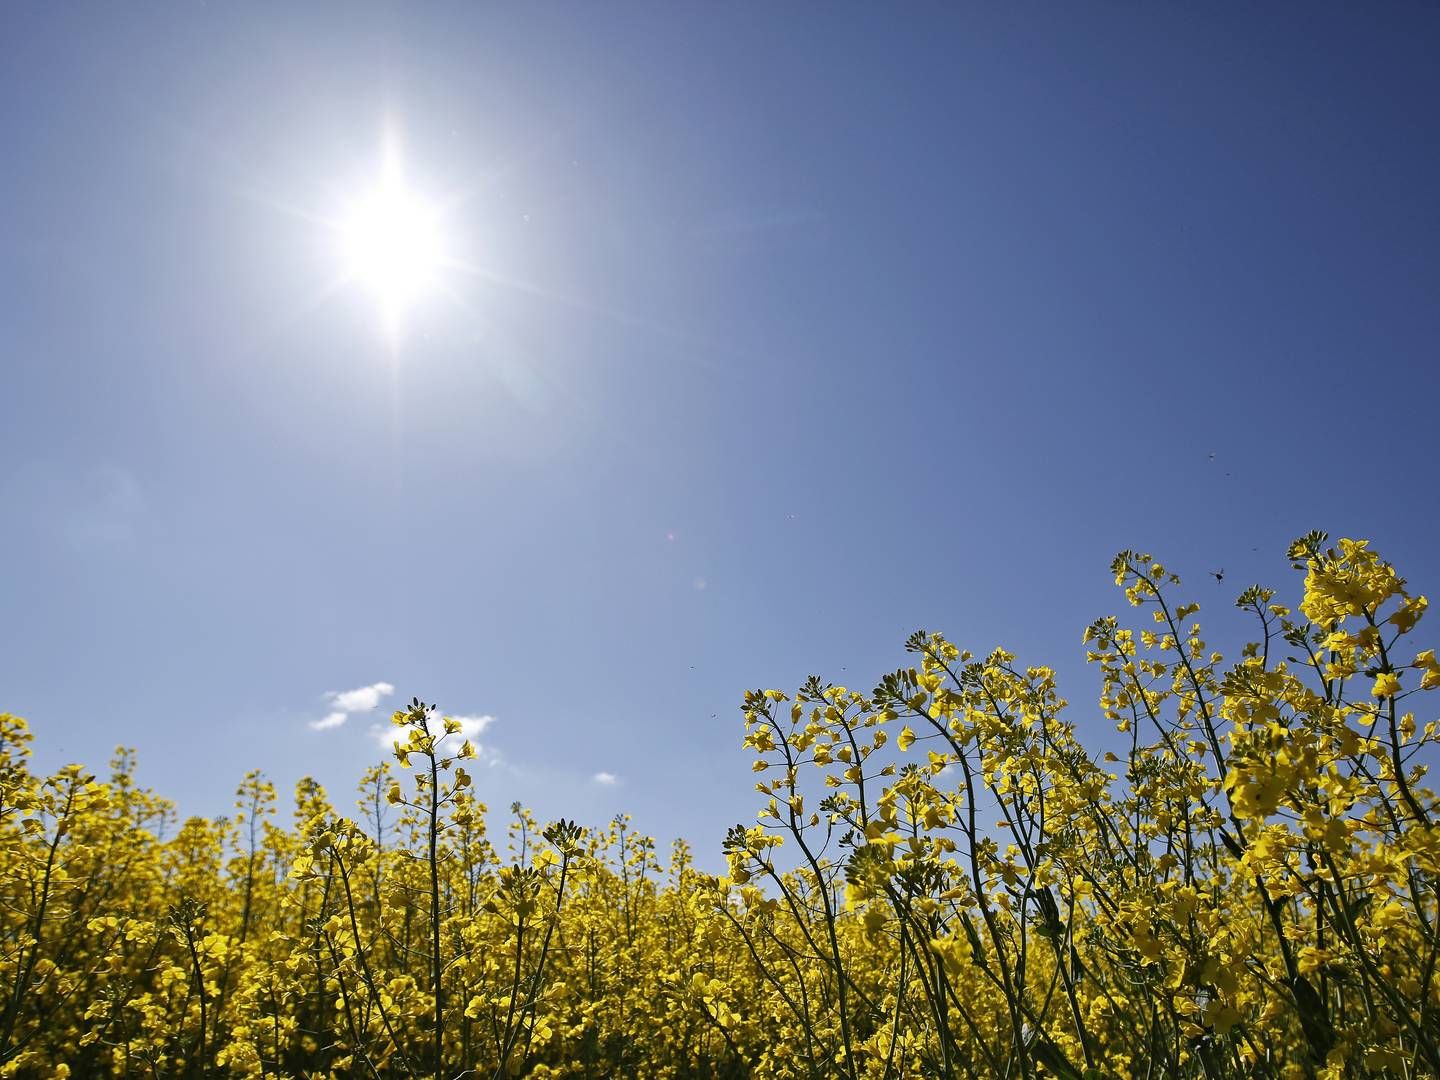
767,334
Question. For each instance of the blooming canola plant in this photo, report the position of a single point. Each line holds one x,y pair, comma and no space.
942,881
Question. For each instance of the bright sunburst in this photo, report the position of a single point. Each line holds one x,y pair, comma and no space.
393,245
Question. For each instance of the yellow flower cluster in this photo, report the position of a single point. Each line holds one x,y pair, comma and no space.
942,881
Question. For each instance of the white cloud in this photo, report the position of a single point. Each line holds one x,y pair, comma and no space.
385,736
361,699
471,726
328,721
609,779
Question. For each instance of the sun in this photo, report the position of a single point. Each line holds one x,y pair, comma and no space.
392,244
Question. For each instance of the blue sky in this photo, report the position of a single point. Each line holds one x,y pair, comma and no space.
780,333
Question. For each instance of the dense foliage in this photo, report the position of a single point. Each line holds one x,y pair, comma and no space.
942,882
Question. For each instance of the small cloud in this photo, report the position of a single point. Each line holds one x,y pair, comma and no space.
361,699
471,726
386,735
609,779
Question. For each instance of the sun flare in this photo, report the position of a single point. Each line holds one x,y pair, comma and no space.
392,245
